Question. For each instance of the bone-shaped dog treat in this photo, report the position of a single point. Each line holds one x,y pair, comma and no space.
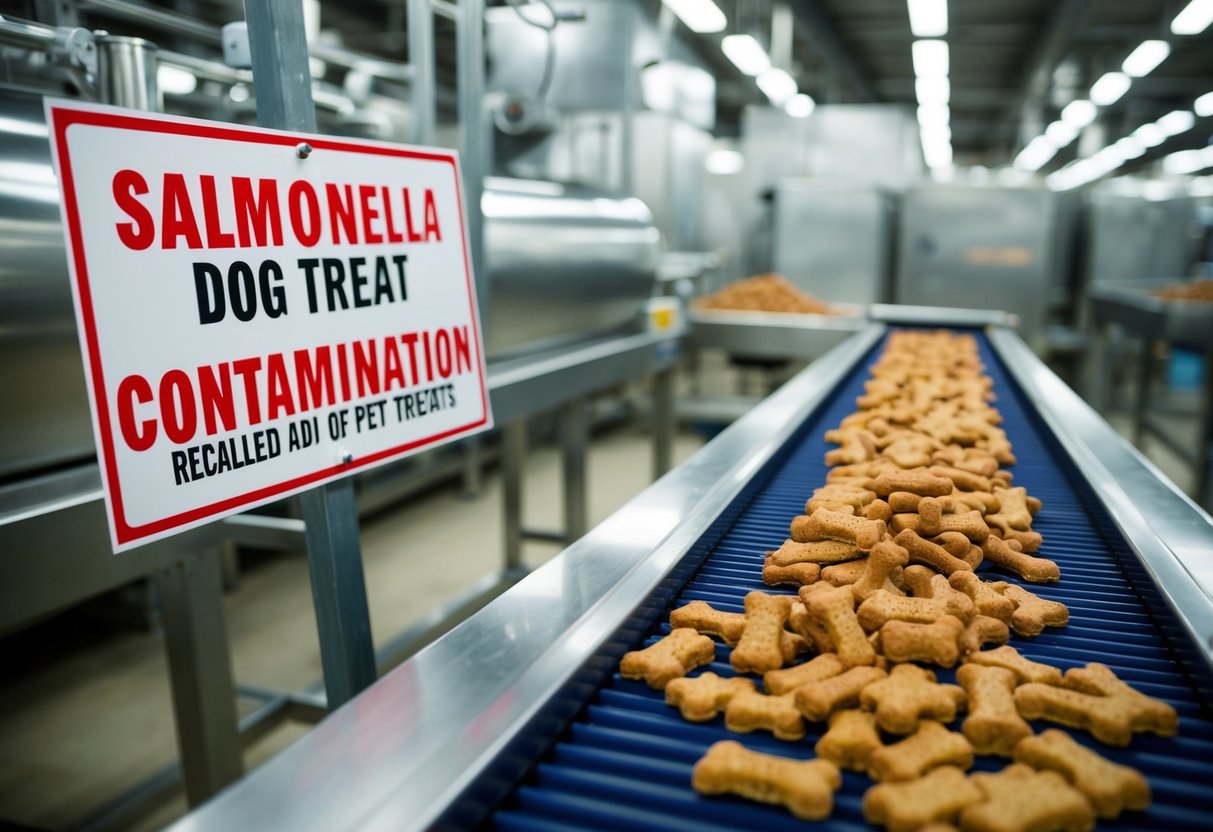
961,479
675,655
908,694
967,459
853,496
925,583
987,601
1033,613
916,805
983,502
1014,510
1110,787
706,619
833,525
845,574
931,746
857,445
806,787
1110,719
835,607
1020,799
993,725
877,510
917,481
850,741
882,607
1025,670
1150,714
809,628
931,554
797,574
699,699
983,630
761,646
886,556
1028,541
968,523
908,453
779,682
904,502
821,551
1008,554
817,700
936,643
753,711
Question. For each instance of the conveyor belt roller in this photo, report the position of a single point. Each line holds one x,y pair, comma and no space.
625,762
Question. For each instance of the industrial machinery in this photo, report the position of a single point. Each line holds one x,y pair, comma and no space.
518,719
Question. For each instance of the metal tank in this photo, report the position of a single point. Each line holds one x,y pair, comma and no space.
566,263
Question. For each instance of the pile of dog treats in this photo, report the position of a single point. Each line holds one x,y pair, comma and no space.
764,293
884,564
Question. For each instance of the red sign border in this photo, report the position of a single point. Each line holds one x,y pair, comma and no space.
63,116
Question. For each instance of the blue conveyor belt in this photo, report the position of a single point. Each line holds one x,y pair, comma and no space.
625,762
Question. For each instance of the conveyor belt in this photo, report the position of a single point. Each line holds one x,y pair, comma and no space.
625,762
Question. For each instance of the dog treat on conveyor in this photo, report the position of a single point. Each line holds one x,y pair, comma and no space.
764,293
993,725
753,711
797,574
1025,670
809,628
1021,799
930,746
680,652
707,620
805,787
983,630
1110,719
918,481
882,607
1152,714
1009,554
1110,787
925,552
856,445
927,584
761,645
1033,613
824,524
908,694
846,574
701,698
820,552
779,682
937,643
851,740
886,556
817,700
936,797
987,600
1028,541
835,608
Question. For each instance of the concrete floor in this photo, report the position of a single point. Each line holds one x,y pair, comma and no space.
84,704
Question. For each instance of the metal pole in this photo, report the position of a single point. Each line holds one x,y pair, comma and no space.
573,426
126,73
663,421
421,59
473,139
200,672
513,453
1145,373
284,102
1204,450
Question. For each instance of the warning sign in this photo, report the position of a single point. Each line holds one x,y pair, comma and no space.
260,312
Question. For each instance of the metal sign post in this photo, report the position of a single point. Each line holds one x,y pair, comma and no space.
284,102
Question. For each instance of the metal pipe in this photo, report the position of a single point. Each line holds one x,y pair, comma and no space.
25,34
421,57
126,73
474,139
206,70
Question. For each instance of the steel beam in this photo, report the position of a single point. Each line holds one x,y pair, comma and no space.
820,30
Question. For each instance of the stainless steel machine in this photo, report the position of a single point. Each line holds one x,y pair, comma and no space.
519,720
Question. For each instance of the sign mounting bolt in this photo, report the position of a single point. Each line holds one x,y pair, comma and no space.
345,456
303,150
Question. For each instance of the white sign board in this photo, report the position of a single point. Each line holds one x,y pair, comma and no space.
254,323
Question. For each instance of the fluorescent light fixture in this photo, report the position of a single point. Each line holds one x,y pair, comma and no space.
1147,55
700,16
1176,122
1061,134
1151,135
1204,105
1187,161
1079,113
777,85
1109,88
746,54
800,105
1131,147
930,58
932,115
932,90
1194,19
175,80
936,134
724,162
1036,154
938,154
928,18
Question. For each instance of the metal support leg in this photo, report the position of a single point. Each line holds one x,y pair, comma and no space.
663,421
573,427
513,453
471,469
1204,448
339,590
200,671
1145,371
229,564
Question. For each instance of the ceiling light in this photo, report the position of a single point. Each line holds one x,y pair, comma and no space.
1109,88
724,162
700,16
175,80
931,115
1036,154
1079,113
777,85
938,153
930,58
1151,135
1176,122
928,18
1194,19
1187,161
746,54
800,105
1147,55
1204,105
1061,134
932,90
1131,147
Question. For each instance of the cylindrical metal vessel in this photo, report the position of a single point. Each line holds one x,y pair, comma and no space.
126,73
565,263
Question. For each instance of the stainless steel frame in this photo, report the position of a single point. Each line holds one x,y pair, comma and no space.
773,334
